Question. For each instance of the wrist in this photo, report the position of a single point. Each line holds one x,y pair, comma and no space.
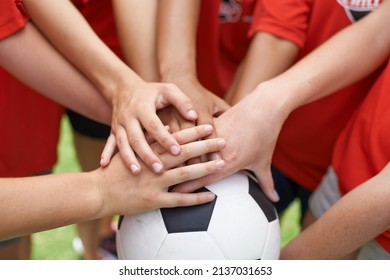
124,77
176,72
99,188
284,94
270,97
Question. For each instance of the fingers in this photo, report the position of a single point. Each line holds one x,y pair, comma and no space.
190,186
267,184
206,118
140,145
126,152
173,199
191,172
187,135
108,151
172,95
193,149
157,130
220,107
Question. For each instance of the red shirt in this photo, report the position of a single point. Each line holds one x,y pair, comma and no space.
29,122
11,18
304,147
363,148
100,16
222,41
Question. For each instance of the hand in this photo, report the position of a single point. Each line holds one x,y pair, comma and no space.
251,128
206,104
126,193
134,110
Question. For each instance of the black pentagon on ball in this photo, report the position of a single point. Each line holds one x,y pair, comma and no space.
190,218
258,195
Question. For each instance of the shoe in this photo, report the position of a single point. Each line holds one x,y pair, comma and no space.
78,245
106,255
109,244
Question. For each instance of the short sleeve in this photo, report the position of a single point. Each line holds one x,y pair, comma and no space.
12,17
286,19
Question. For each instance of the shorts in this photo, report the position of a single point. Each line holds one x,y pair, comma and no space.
328,194
288,191
87,126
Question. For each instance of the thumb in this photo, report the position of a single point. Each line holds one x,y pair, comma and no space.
266,182
173,95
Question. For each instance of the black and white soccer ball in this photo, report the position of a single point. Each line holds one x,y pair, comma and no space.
240,224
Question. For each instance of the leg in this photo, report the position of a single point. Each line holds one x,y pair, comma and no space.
88,151
89,140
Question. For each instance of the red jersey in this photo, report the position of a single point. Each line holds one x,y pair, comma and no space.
99,14
222,41
11,19
29,122
357,161
304,148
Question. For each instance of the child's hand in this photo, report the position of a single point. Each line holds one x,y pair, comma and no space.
134,114
126,193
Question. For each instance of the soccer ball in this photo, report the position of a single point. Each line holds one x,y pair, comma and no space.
240,224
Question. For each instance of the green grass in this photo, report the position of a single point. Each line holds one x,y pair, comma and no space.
57,244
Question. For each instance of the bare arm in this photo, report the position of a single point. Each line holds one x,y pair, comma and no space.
134,101
348,224
267,57
340,61
39,203
177,29
31,59
138,35
258,118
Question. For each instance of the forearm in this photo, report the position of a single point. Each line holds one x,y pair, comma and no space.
267,57
178,21
32,60
73,36
138,35
347,225
39,203
339,62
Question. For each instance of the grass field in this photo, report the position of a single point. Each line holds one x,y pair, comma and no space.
57,244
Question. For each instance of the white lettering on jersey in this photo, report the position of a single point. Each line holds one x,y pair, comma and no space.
356,9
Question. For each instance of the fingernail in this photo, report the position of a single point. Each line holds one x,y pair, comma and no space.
275,196
157,167
192,114
175,150
215,156
220,163
102,161
210,196
134,168
208,128
221,143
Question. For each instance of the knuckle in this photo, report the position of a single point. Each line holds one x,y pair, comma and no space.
210,145
149,199
179,138
121,141
210,167
152,126
171,86
184,174
181,202
185,151
134,140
